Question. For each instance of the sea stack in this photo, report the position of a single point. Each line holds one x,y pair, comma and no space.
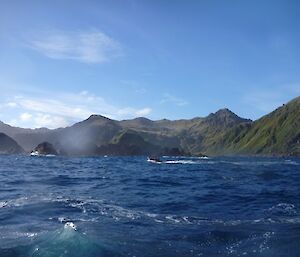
45,148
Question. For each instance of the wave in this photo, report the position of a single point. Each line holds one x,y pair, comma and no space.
67,242
70,240
181,162
94,209
261,162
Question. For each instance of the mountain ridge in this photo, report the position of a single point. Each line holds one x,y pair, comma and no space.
219,133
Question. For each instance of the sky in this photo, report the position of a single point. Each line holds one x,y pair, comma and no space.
63,60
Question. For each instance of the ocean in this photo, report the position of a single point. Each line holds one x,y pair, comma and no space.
126,206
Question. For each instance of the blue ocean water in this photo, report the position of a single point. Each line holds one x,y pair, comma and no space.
125,206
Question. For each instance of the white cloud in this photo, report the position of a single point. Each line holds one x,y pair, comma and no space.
168,98
39,120
54,107
49,121
11,104
133,112
25,117
143,112
64,109
85,46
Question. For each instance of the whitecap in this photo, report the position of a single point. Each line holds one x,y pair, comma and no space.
70,225
180,162
3,204
283,208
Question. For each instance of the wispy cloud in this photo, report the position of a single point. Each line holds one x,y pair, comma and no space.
64,109
134,112
85,46
267,100
168,98
39,120
11,104
263,101
135,86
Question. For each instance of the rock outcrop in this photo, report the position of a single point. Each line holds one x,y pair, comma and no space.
45,148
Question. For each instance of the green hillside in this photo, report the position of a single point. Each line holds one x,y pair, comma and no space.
274,134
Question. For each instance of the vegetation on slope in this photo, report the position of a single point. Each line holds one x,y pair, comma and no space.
274,134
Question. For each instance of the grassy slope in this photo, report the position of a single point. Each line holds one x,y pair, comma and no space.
275,133
205,136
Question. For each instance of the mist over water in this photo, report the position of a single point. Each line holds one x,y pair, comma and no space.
125,206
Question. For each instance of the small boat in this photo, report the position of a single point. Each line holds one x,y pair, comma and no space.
34,153
154,160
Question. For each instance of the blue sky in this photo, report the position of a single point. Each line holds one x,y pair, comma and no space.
61,61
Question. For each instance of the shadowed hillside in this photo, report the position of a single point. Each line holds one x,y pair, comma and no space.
9,146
